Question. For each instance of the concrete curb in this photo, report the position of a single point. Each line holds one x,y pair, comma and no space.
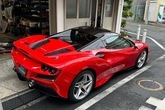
20,99
1,108
149,24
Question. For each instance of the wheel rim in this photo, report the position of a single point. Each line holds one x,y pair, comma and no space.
142,59
83,86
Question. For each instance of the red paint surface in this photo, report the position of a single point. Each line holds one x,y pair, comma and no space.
70,64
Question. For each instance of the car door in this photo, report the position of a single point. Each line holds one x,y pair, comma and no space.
122,53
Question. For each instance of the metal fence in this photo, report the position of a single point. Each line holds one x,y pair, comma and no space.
138,12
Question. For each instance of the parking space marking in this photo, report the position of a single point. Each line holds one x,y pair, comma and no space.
160,104
32,103
156,42
144,108
162,57
162,47
103,94
16,95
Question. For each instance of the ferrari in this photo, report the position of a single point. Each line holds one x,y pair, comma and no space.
71,63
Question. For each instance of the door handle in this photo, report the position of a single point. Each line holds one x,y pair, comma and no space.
100,55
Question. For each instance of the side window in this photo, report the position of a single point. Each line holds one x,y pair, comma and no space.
95,45
63,35
116,42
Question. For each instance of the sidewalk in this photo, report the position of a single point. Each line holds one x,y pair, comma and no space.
149,23
9,83
6,40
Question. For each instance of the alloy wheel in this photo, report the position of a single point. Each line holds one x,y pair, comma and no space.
82,86
142,59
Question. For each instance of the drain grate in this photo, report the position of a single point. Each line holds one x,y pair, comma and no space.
150,85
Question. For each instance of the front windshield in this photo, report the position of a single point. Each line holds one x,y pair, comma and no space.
75,37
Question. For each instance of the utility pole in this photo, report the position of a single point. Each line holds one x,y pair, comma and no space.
147,11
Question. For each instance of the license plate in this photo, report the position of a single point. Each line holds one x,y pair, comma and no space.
22,70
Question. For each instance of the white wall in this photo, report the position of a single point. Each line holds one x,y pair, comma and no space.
119,16
71,23
56,16
76,22
60,23
107,23
60,15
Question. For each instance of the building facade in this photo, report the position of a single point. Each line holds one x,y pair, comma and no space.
138,9
64,14
155,11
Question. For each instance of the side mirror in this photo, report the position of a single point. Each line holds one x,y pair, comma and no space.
135,47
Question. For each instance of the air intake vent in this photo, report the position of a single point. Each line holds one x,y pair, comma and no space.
39,44
58,52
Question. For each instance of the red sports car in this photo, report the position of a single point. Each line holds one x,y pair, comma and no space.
69,64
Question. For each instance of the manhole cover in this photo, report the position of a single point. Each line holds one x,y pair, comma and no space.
150,85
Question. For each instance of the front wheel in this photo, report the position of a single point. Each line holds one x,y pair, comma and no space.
141,59
81,86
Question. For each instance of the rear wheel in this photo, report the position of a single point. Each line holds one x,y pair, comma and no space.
81,86
141,59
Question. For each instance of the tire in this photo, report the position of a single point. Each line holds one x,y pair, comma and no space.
141,59
81,86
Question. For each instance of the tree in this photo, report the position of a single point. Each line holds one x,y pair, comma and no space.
126,12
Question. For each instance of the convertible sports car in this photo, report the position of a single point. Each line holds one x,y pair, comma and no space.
69,64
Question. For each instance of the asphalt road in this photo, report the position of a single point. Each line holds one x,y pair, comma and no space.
143,92
156,32
128,90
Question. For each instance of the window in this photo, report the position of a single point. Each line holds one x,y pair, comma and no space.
71,8
84,8
117,42
108,8
95,45
63,35
76,38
